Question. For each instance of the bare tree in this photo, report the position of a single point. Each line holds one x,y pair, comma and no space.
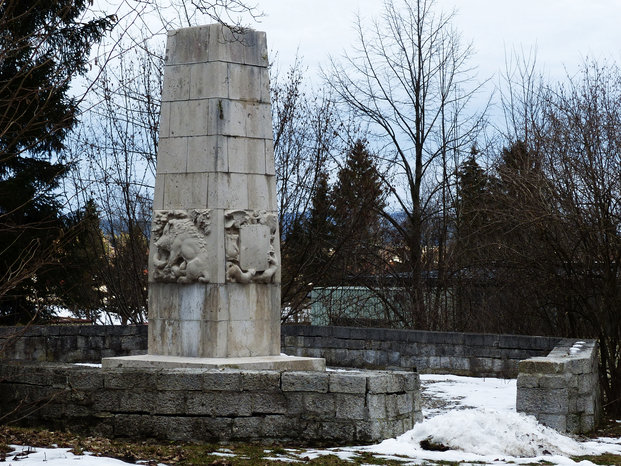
555,216
581,152
308,138
410,79
115,155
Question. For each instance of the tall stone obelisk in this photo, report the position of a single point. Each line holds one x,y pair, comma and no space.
214,264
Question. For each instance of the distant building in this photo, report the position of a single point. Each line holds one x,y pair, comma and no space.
355,306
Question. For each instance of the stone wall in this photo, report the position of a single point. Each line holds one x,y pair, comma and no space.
72,343
482,355
198,405
562,389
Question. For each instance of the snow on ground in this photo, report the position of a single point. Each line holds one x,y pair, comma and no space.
55,456
474,417
444,392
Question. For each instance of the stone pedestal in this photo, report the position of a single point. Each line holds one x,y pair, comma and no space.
214,265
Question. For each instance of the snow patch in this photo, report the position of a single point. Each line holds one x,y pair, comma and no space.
488,432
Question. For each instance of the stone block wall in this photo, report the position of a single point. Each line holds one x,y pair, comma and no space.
484,355
72,343
197,405
562,389
481,355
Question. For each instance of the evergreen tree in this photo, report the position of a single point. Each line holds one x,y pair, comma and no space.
316,234
44,44
358,198
472,202
472,240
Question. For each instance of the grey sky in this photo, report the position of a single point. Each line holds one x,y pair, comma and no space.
564,31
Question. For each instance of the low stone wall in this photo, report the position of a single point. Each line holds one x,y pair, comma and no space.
481,355
562,389
72,343
197,405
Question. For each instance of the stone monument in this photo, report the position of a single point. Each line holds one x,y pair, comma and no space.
214,263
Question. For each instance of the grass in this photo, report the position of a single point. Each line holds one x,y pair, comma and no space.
607,459
177,453
242,454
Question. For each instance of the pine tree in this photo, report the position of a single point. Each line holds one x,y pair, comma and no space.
473,190
44,44
358,198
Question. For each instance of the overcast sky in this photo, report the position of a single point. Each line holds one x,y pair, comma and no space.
564,31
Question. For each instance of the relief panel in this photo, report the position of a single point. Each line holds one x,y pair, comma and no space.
179,246
250,236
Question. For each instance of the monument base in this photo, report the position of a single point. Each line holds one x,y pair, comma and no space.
276,363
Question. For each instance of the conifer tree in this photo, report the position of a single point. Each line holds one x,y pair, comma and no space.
358,198
44,44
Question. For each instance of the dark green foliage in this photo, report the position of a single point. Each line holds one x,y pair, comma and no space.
44,44
358,198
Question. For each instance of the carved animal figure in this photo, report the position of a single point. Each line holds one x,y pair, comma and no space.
268,275
235,274
181,252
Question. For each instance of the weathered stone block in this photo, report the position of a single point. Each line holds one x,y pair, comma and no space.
246,82
106,401
176,84
350,406
541,365
555,421
405,403
581,365
385,382
219,403
249,48
207,154
543,401
336,431
554,381
586,405
295,402
137,401
376,403
165,120
230,381
184,379
185,191
246,155
587,423
319,404
208,80
188,45
527,381
391,406
217,427
168,402
342,382
129,379
269,157
86,379
268,403
279,427
247,428
305,382
263,381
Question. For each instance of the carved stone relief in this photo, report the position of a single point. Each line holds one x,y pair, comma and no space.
179,238
250,252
